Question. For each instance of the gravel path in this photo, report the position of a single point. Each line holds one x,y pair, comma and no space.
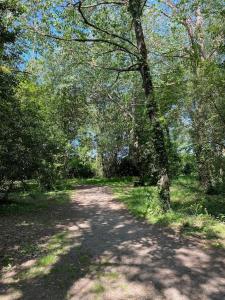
119,257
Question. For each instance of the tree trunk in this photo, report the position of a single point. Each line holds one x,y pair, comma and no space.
5,194
199,137
135,9
202,148
199,112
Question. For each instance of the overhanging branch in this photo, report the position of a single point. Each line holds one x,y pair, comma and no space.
102,3
87,22
86,40
132,68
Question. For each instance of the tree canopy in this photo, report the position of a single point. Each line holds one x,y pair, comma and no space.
112,88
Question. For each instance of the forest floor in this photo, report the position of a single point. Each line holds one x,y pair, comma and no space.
86,245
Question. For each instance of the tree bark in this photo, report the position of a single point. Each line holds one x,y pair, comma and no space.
200,141
135,9
199,113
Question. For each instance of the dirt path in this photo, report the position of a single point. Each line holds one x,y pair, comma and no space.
102,252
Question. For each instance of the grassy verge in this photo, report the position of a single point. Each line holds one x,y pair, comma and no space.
193,212
33,199
112,182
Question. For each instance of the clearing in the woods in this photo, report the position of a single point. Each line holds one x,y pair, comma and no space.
88,246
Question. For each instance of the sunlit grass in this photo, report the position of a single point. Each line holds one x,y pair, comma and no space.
193,212
98,288
48,260
33,201
112,275
71,183
58,244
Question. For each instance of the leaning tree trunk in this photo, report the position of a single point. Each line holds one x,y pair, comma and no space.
135,9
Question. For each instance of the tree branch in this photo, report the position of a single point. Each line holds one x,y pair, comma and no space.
100,29
86,40
185,21
101,3
132,68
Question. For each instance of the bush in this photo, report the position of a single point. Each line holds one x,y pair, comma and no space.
187,169
126,167
79,169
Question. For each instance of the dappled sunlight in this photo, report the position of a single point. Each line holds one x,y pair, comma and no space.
92,248
213,285
190,209
12,294
173,293
112,150
197,260
57,245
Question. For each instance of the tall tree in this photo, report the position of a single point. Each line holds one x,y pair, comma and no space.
136,10
200,47
128,47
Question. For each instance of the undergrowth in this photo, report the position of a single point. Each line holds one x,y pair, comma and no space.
193,212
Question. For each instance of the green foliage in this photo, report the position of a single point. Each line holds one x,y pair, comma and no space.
192,211
10,142
71,92
78,169
98,288
32,147
34,201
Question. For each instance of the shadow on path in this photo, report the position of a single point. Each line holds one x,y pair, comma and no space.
107,254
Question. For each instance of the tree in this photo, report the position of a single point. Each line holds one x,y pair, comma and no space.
9,107
30,145
136,9
97,30
200,34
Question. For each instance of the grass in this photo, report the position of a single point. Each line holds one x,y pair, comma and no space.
98,288
49,254
193,212
112,182
33,200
